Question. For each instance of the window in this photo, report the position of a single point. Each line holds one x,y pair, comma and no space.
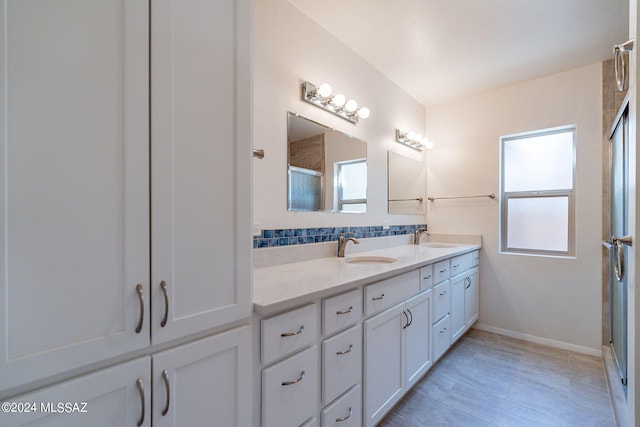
537,189
352,186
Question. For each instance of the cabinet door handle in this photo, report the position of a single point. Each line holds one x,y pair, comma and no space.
339,420
410,314
467,279
378,298
345,311
340,353
167,387
407,317
140,292
293,334
297,380
163,286
140,386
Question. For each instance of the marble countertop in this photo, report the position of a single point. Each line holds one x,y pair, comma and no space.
285,286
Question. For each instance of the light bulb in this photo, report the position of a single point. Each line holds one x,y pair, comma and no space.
411,136
324,90
417,138
427,143
363,113
338,100
351,106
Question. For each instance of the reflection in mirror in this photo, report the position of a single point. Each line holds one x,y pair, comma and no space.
406,185
327,168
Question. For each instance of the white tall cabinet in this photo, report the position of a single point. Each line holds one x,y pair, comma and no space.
126,206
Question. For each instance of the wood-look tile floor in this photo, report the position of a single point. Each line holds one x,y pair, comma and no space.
491,380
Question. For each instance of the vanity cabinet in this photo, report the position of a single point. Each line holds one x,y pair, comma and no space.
397,353
128,205
464,302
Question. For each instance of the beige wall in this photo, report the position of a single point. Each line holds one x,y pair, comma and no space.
551,300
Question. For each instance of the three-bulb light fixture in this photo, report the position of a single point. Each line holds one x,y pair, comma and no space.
413,140
321,96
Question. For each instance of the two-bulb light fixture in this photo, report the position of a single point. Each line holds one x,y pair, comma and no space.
413,140
321,96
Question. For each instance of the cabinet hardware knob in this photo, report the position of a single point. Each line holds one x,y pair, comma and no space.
345,311
140,292
339,420
163,286
340,353
300,378
378,298
293,334
140,386
167,387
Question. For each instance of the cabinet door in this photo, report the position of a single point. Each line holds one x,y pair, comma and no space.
383,363
201,153
472,297
206,382
458,306
74,197
118,396
417,338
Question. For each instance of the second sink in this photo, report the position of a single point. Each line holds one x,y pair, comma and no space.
369,260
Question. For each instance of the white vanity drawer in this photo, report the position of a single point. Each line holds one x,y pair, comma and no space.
441,271
475,256
461,263
426,277
290,390
341,311
285,333
341,363
387,293
441,337
441,300
345,411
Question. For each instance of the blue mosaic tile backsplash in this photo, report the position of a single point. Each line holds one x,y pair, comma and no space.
301,236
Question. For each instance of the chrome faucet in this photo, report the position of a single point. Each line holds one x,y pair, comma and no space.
418,234
342,242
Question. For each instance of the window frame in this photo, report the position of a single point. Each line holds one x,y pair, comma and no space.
564,192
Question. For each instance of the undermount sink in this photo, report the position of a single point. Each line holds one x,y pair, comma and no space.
438,245
370,260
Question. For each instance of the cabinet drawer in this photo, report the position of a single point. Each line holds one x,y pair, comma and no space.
290,390
344,411
341,363
426,277
389,292
461,263
285,333
441,337
475,257
441,271
441,300
341,311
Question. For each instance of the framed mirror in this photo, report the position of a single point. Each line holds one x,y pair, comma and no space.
327,169
407,185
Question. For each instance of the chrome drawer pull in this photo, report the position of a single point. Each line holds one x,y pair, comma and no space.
345,311
442,331
339,420
428,277
293,334
167,387
378,298
442,271
340,353
456,266
300,378
443,293
163,286
140,292
140,386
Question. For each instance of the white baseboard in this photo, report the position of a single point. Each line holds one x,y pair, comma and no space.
539,340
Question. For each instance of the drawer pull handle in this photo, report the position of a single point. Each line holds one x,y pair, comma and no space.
339,420
167,387
442,331
456,265
140,386
300,378
163,286
442,271
427,277
293,334
340,353
378,298
345,311
443,293
140,292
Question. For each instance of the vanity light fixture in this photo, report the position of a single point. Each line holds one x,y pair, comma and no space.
321,96
413,140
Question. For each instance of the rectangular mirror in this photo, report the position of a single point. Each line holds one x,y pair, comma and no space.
407,183
327,169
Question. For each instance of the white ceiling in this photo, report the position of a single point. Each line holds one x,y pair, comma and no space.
439,50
